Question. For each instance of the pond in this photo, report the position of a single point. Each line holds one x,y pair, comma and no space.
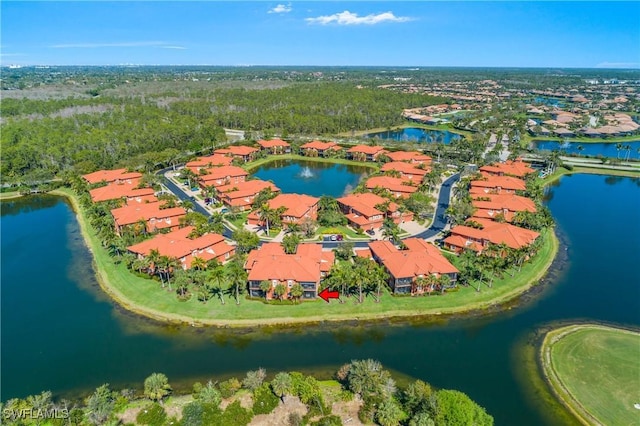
414,134
312,177
60,332
593,149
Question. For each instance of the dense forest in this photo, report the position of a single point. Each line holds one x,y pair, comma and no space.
362,388
41,138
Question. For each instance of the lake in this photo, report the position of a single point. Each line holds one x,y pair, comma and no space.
592,149
312,177
60,332
414,134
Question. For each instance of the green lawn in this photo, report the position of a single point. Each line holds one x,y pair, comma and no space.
595,370
145,296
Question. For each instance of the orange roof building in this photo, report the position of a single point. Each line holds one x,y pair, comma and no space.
407,171
275,146
465,237
319,148
108,176
497,185
361,211
151,213
489,206
419,259
365,152
177,244
307,267
245,153
297,208
517,168
413,157
124,189
242,194
399,187
207,162
225,175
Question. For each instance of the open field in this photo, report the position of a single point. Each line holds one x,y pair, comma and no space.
594,371
146,297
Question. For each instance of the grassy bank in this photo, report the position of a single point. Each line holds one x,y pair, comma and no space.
146,297
9,195
561,171
594,371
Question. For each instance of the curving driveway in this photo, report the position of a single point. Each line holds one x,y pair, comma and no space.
438,225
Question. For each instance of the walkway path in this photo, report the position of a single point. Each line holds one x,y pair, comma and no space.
439,220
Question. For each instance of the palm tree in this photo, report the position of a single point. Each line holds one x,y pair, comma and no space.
216,273
237,277
297,291
265,286
281,385
280,291
265,213
156,386
198,263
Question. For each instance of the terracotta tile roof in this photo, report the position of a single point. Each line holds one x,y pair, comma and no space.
246,189
240,150
405,169
364,203
321,146
111,176
273,143
221,173
516,168
419,258
209,161
177,244
398,186
409,157
297,205
497,233
269,262
462,242
366,149
510,202
114,191
155,217
503,182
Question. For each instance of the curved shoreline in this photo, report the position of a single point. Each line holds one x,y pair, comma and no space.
552,378
105,274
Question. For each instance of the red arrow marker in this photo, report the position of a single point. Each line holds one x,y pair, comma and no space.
326,294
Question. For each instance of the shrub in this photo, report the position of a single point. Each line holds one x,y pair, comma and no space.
192,414
330,420
264,400
152,415
235,415
228,388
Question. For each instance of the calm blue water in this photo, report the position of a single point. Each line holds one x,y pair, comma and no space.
60,332
545,100
608,150
413,134
311,177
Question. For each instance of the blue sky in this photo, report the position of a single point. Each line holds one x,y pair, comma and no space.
388,33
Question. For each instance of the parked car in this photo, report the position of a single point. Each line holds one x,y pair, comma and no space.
224,210
339,237
370,232
334,238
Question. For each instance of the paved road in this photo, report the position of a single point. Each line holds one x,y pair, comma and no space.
438,225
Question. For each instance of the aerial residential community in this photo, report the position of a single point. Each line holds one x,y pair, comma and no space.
318,220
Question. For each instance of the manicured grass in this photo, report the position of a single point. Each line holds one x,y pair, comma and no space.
595,371
146,297
9,195
561,171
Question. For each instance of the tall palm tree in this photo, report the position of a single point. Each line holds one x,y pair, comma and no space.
216,273
265,213
198,263
237,277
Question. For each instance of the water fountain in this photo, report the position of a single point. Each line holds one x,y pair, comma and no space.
306,173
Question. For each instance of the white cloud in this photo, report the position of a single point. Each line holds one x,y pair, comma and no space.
174,47
618,65
348,18
6,55
281,8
